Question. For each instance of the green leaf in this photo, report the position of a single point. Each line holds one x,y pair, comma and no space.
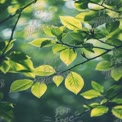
90,94
11,44
80,5
20,62
112,26
73,37
114,41
58,48
17,56
38,89
56,31
89,47
103,66
47,30
58,80
44,70
71,23
74,82
98,111
97,87
117,100
68,56
116,73
42,42
21,85
113,91
5,66
117,111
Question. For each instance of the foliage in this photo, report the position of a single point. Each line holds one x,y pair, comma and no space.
97,21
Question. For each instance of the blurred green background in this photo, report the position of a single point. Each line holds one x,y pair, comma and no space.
28,108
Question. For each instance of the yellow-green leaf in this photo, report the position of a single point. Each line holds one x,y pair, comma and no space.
116,73
117,111
74,82
58,47
21,85
42,42
97,86
44,70
68,56
98,111
103,66
58,80
38,89
71,23
90,94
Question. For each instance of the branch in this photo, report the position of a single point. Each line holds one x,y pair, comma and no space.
90,59
102,2
105,42
74,46
17,12
104,6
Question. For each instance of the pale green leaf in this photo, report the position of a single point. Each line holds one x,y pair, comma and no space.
116,73
71,22
47,30
58,47
97,86
68,56
21,85
42,42
38,89
44,70
56,31
58,80
103,66
90,94
117,111
74,82
117,100
5,66
98,111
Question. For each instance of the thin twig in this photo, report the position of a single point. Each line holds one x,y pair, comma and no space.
11,16
105,42
90,59
103,6
19,11
74,46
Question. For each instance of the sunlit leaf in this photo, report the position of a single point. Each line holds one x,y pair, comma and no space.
103,66
74,82
97,87
21,85
58,47
56,31
44,70
117,100
71,22
42,42
98,111
117,111
68,56
38,89
58,80
116,73
5,66
90,94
